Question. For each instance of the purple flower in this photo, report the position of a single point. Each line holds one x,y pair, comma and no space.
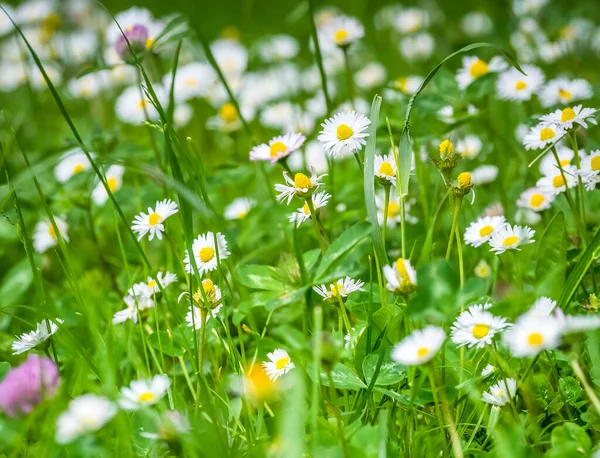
137,36
25,386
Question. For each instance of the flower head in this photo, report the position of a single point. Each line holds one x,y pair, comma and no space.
385,169
205,252
344,132
564,91
419,347
501,393
278,148
511,238
480,231
339,290
114,180
71,163
536,199
319,200
44,236
542,135
518,87
530,335
568,117
476,327
27,341
301,186
239,208
474,68
85,414
279,364
557,180
401,277
152,222
341,32
590,170
142,393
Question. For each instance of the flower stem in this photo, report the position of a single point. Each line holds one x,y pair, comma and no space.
349,80
402,224
574,209
573,136
457,203
344,314
386,189
321,234
441,404
586,386
316,378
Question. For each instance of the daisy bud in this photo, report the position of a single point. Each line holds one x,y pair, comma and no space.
449,159
446,148
464,184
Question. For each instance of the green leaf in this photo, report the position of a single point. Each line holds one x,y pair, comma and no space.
390,372
342,377
4,368
171,345
15,282
260,277
341,247
437,288
569,439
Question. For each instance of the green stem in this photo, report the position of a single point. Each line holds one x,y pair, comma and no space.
321,234
386,189
318,56
316,378
402,225
582,213
574,209
349,80
359,162
438,410
457,203
586,386
344,314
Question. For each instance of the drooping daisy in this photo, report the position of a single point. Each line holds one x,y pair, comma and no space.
484,174
567,117
29,340
480,231
476,326
473,68
564,91
510,238
419,347
162,279
401,277
279,364
85,414
143,393
344,132
301,186
339,290
542,135
239,208
278,148
44,236
590,170
514,85
501,393
469,147
205,252
114,180
541,308
385,169
535,199
531,335
319,200
340,32
487,370
482,269
558,181
152,222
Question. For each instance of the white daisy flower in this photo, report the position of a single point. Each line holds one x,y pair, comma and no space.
480,231
487,370
494,209
514,85
548,164
340,32
300,186
510,238
543,307
530,335
370,76
469,147
410,20
114,180
473,68
29,340
85,414
71,163
44,236
205,252
5,24
278,148
385,169
590,169
482,269
500,393
37,80
408,85
182,115
536,199
394,216
344,132
417,47
134,107
476,24
143,393
558,182
476,327
239,208
313,155
340,289
319,200
419,347
152,222
130,313
401,277
566,117
564,91
542,135
196,316
277,48
164,280
191,81
90,85
279,364
484,174
230,55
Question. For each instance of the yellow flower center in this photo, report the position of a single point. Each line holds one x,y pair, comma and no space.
520,85
564,94
546,134
51,231
208,285
400,83
149,43
344,132
511,240
341,35
595,163
482,270
306,209
302,181
536,200
142,104
393,209
336,289
464,180
535,339
565,162
446,147
151,284
402,271
422,352
190,82
485,231
281,363
499,393
146,396
386,169
558,181
206,254
153,219
228,112
478,68
78,168
567,115
112,184
480,331
277,148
